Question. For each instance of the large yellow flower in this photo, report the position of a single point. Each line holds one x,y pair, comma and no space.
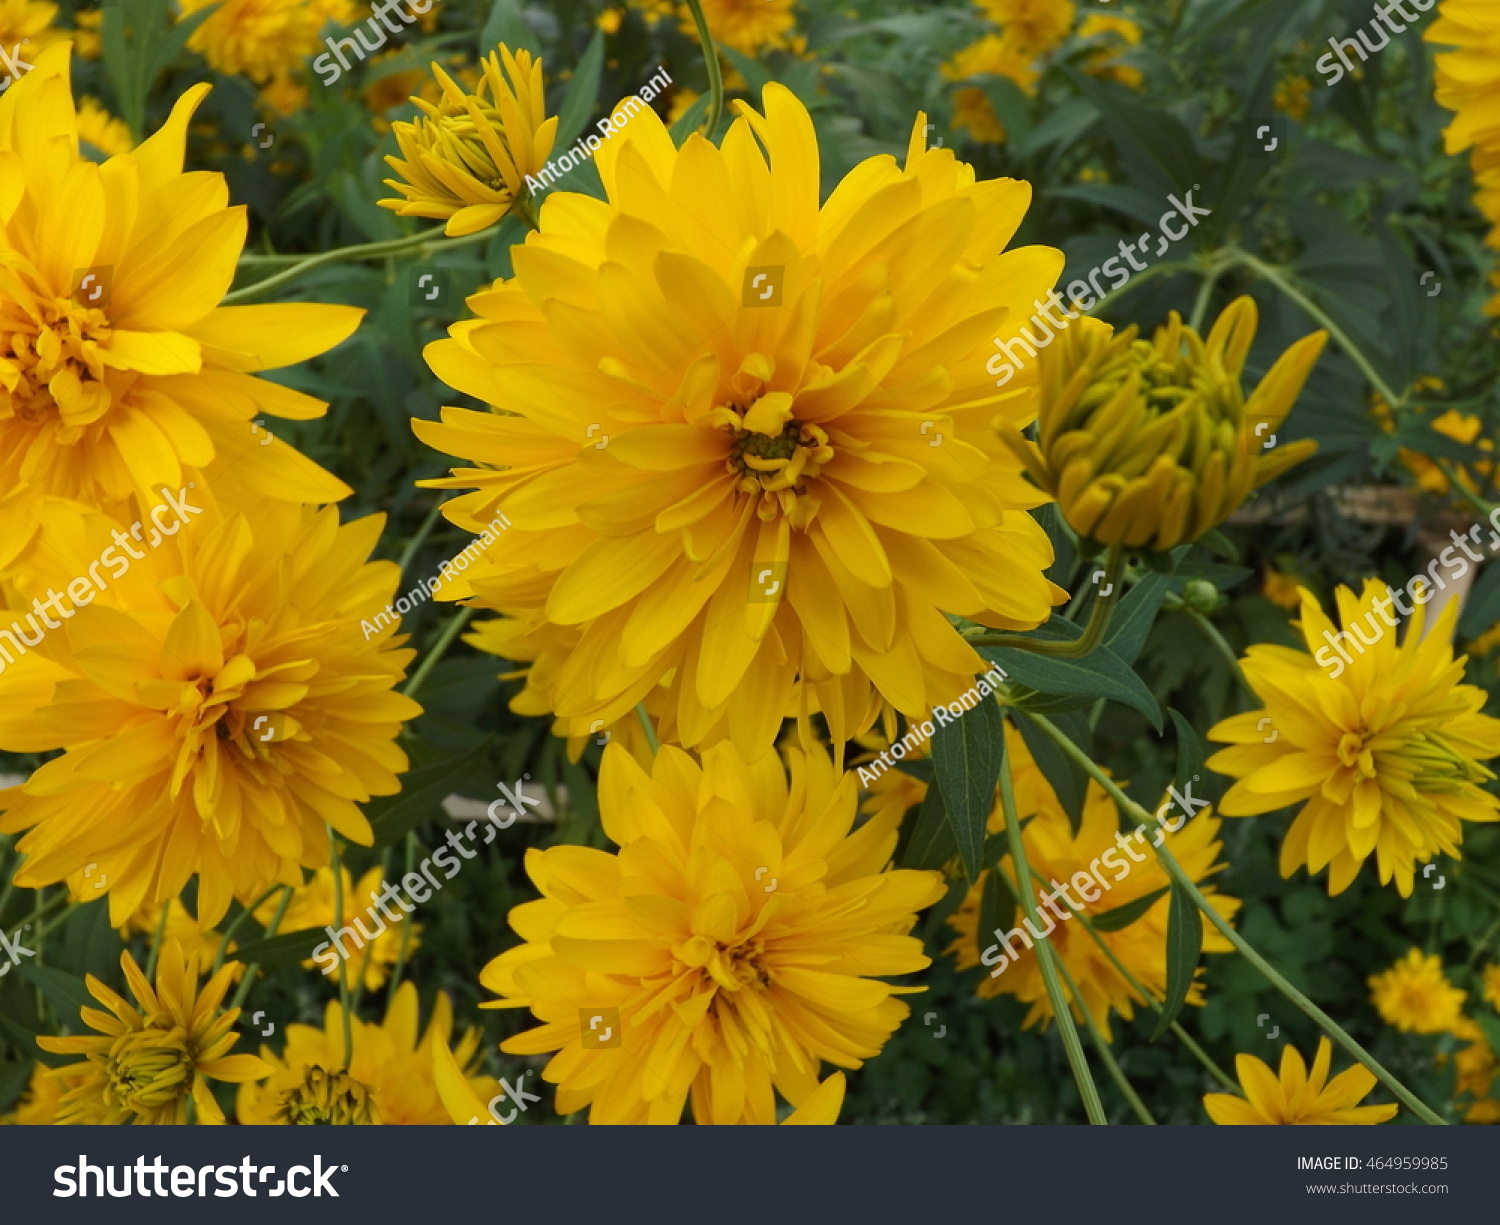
745,440
734,939
467,157
263,39
1415,995
1124,867
145,387
150,1061
312,906
218,703
389,1081
1468,82
1297,1098
1381,745
1148,443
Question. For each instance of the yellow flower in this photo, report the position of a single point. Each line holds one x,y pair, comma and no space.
1383,751
1122,33
1147,446
1281,588
609,20
1492,985
147,388
1292,95
1000,55
731,485
149,1061
1039,25
27,24
1476,1067
263,39
105,134
750,26
1129,872
43,1096
180,926
467,157
1461,427
85,33
217,704
1297,1099
312,906
733,938
652,11
282,95
1415,996
389,1081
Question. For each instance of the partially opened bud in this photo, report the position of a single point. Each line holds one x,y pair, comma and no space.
1148,444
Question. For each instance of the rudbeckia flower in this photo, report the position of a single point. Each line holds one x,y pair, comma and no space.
749,26
1114,35
1297,1098
467,157
264,40
1150,443
119,373
217,702
1117,871
999,55
149,1061
179,926
1039,25
735,938
312,906
389,1081
1383,751
747,442
1415,996
1475,1066
27,24
42,1098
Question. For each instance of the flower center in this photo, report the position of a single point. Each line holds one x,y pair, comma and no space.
50,366
1353,754
327,1097
149,1069
774,456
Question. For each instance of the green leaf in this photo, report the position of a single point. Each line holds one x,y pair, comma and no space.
1482,608
1124,916
1069,780
1100,674
691,119
1011,103
582,95
13,1080
1190,756
1135,616
1184,947
506,25
283,950
997,906
966,757
422,793
931,844
65,992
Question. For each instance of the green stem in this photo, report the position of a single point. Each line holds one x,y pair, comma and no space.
1198,1052
1094,631
648,727
439,649
338,909
1272,975
1061,1010
1211,276
1221,644
253,968
161,927
715,74
420,538
1274,275
427,240
234,926
1484,941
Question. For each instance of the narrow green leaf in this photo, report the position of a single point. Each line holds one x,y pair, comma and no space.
506,25
691,119
931,843
997,906
1124,916
1068,779
966,757
1100,674
64,992
1135,616
1190,755
422,792
289,948
1184,947
583,93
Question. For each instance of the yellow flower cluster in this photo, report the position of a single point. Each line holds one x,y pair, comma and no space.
1468,83
174,608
